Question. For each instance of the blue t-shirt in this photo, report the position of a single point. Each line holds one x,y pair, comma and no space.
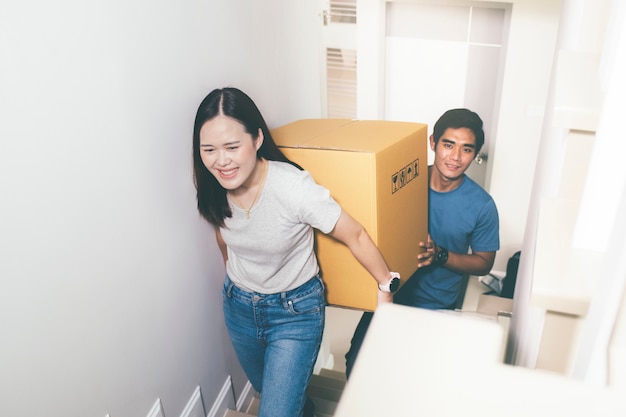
458,220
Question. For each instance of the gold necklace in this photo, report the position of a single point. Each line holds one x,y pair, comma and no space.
258,192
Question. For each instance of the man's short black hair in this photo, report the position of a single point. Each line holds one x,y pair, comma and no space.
458,118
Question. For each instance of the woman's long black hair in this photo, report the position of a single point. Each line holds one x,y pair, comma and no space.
234,103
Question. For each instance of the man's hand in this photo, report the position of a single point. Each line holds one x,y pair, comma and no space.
475,263
428,256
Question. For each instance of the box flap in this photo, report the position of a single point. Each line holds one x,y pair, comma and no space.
344,134
300,132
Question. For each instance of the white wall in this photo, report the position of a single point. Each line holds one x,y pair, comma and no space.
109,281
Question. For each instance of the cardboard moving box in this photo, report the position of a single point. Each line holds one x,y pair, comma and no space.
378,172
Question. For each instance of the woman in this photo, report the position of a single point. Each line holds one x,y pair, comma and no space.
264,208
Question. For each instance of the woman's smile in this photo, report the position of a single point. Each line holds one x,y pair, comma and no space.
228,173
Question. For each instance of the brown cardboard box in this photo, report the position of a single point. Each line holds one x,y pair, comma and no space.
378,172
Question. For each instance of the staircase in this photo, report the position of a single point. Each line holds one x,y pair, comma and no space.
325,390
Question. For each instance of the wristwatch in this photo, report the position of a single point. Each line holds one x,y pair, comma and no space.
392,285
441,257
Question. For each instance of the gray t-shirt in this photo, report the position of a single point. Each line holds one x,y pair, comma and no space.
272,251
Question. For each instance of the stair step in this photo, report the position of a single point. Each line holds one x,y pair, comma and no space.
331,373
233,413
324,406
329,383
253,407
325,389
324,393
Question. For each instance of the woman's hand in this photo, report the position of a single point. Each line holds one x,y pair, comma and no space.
384,297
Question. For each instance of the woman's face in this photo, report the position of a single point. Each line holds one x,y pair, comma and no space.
228,151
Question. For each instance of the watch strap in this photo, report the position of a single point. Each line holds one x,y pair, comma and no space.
442,256
387,287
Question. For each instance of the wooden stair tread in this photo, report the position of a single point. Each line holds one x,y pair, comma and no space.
331,373
327,382
253,407
325,389
234,413
323,405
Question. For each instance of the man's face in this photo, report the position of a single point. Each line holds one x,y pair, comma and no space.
454,152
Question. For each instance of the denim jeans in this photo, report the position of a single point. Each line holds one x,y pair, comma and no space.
277,338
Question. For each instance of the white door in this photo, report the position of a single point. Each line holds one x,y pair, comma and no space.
339,95
419,58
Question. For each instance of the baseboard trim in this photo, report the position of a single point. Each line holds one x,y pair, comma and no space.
156,410
195,406
225,400
246,396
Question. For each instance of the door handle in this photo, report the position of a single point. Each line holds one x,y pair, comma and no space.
481,158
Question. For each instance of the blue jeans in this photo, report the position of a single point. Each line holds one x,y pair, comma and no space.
277,338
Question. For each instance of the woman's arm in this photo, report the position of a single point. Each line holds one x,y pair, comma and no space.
221,244
353,235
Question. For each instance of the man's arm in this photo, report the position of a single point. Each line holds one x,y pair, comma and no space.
476,263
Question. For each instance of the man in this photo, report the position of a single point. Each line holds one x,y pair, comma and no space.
461,216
